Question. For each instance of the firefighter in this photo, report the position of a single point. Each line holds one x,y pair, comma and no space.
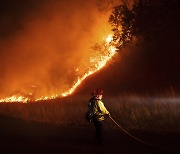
99,112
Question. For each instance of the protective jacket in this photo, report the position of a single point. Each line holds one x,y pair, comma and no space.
98,109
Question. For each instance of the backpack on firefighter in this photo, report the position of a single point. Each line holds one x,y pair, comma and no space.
89,113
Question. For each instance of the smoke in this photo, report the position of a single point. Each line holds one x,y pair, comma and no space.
42,43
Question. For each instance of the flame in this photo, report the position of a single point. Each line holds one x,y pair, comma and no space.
15,99
109,38
98,63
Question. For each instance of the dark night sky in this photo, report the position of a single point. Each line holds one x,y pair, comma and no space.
31,32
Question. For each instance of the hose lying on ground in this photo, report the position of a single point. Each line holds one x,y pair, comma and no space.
140,139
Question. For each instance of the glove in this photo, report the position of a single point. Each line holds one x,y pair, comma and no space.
109,114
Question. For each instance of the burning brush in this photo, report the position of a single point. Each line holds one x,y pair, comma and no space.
106,51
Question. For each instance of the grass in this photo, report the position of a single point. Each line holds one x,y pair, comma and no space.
130,111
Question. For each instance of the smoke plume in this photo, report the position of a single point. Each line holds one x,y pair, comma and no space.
42,43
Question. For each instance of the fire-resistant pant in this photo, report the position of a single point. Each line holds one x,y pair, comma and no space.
99,129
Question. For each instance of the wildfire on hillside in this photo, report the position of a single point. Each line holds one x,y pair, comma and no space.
95,63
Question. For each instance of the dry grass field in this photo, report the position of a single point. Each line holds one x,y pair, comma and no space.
59,126
132,112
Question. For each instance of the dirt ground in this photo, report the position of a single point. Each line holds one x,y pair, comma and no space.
18,136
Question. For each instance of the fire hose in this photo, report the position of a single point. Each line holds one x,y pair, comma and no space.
147,143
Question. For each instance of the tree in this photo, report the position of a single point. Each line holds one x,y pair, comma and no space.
122,22
147,19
